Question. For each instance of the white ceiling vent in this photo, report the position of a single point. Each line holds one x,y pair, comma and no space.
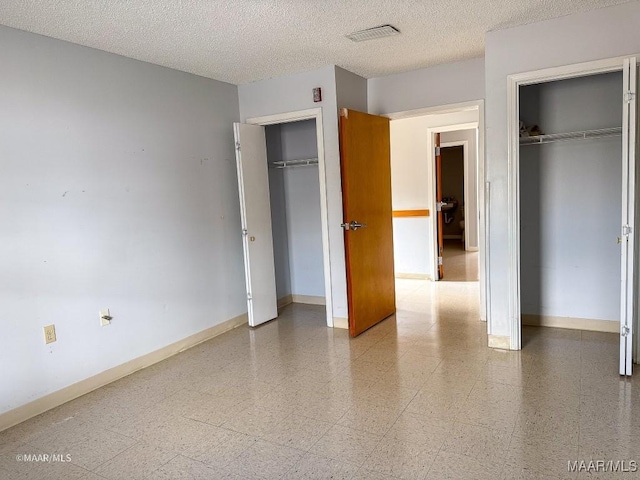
373,33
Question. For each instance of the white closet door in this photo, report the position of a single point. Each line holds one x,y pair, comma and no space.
627,291
255,213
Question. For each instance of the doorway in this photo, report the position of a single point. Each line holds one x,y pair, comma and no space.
275,287
294,188
414,203
591,73
458,160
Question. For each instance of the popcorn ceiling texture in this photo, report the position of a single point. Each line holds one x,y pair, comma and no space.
241,41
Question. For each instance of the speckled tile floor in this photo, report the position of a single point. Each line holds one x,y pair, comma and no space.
419,396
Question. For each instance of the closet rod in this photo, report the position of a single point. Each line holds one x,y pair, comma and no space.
583,135
304,162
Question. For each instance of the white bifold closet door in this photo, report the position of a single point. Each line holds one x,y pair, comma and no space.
255,214
627,233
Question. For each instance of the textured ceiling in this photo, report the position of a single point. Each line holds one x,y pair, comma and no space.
240,41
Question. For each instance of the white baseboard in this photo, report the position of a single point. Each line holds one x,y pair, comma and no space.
413,276
572,323
499,341
66,394
309,299
471,249
341,322
284,301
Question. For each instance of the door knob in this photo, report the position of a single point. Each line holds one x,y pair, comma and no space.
353,225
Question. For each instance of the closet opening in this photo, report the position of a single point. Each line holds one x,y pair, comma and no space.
294,191
570,209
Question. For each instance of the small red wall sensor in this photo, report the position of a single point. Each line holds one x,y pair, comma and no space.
317,95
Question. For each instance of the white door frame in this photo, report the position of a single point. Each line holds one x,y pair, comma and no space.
482,189
514,82
297,116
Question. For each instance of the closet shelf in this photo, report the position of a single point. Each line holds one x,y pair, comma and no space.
304,162
558,137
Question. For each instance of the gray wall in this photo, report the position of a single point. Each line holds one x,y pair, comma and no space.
118,190
604,33
295,206
428,87
278,212
351,90
570,201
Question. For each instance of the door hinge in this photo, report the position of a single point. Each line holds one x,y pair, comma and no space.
625,331
626,230
437,151
249,296
439,261
629,96
238,146
245,232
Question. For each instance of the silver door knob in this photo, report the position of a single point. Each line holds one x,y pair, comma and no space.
353,225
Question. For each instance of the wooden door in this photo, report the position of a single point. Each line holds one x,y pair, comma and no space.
366,195
439,221
255,216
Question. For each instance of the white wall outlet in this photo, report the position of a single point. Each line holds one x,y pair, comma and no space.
49,333
105,317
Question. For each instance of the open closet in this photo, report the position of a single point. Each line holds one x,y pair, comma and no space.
571,178
294,192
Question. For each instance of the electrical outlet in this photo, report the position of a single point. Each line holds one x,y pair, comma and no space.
49,334
105,317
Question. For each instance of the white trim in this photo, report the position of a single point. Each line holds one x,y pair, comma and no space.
569,71
572,323
66,394
483,224
284,301
484,243
513,164
312,114
309,299
465,193
341,322
438,110
498,341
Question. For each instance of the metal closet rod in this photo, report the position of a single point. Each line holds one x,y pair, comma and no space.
304,162
582,135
